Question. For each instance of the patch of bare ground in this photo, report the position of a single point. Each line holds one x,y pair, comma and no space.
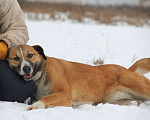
102,15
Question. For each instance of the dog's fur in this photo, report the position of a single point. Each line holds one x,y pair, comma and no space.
64,83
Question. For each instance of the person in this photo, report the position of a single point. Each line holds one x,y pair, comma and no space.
13,32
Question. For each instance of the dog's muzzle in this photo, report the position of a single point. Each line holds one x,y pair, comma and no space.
27,72
27,69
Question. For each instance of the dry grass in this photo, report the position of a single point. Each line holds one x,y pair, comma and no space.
134,58
98,61
133,16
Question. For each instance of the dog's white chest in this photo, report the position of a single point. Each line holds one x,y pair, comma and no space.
42,89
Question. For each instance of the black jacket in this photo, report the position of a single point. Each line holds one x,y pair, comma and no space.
13,87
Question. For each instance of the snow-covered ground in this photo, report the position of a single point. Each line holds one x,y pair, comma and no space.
84,43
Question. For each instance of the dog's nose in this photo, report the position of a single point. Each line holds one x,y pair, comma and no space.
27,69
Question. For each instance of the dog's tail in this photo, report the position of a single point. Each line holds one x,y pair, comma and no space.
141,66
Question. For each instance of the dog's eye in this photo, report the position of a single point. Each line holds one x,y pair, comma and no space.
16,58
30,55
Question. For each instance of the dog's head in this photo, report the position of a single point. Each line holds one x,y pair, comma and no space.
26,60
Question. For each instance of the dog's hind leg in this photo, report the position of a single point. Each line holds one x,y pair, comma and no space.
122,97
136,89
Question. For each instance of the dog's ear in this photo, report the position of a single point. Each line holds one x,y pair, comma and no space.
40,50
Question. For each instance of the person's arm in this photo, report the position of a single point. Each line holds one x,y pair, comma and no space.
13,30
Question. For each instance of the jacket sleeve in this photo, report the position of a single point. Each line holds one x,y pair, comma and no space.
13,29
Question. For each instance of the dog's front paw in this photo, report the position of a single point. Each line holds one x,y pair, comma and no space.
37,105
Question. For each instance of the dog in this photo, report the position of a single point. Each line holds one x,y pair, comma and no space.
64,83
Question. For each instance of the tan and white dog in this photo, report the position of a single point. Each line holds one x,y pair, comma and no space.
64,83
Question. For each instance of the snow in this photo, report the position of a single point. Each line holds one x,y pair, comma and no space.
17,111
83,43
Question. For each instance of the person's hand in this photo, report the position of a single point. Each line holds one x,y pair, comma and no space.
3,50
